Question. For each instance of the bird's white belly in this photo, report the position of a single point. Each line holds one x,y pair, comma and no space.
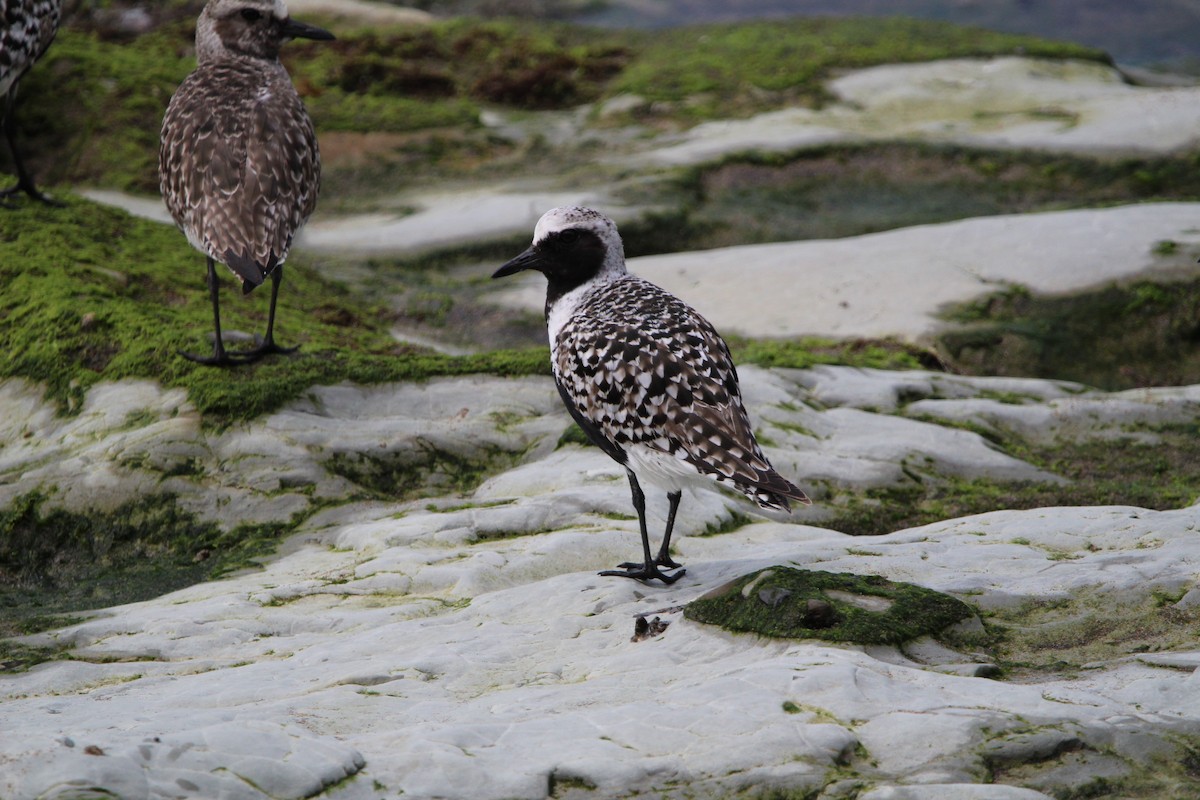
663,470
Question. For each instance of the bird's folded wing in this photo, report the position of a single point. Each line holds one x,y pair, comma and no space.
677,394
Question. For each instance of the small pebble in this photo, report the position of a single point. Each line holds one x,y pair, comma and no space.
774,597
819,614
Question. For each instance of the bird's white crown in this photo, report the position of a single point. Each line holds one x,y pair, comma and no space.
579,218
223,30
222,8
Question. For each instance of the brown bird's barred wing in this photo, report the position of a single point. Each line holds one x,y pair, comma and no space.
239,170
667,382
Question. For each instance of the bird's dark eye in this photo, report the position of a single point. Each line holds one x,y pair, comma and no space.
251,14
569,236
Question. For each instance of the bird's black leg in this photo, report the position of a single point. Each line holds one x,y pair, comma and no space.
219,357
649,569
664,553
24,182
268,345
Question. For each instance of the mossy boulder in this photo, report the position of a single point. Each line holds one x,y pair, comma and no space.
794,603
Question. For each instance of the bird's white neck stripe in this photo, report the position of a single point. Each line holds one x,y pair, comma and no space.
563,309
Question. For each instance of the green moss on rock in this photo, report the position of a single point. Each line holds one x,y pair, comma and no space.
733,65
808,351
425,469
1117,337
92,294
91,109
839,607
54,561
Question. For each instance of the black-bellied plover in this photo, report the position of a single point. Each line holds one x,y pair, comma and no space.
238,162
647,378
29,26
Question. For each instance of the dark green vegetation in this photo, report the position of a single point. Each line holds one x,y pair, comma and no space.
91,293
1118,337
1149,33
809,351
54,562
1089,628
1161,474
859,609
91,110
848,190
423,470
721,70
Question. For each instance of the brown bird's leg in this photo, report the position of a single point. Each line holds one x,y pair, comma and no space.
24,182
219,357
268,346
648,570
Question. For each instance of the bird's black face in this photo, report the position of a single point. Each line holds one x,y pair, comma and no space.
568,258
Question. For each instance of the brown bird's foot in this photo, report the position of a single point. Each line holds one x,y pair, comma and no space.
232,358
644,572
7,195
222,359
267,348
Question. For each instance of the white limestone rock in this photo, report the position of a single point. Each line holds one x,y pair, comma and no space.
464,646
1006,102
132,439
241,761
897,283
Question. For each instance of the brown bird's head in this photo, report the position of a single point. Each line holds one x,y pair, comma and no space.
248,28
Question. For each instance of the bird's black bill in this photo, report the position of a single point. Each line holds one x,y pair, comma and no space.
527,260
302,30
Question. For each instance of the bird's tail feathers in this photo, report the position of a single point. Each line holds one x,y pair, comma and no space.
251,273
772,490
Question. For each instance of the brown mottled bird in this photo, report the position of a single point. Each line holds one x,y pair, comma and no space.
238,164
29,26
647,378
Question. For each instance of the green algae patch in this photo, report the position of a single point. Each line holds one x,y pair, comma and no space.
1120,336
1146,466
791,603
854,189
54,562
716,70
522,65
1090,627
18,657
810,351
91,109
94,294
424,470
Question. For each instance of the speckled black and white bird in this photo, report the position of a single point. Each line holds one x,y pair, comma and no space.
238,163
29,26
648,379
